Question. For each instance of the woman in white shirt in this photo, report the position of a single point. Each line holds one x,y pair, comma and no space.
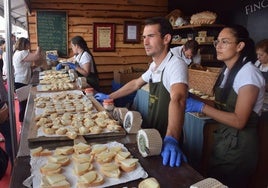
239,95
262,55
23,59
83,62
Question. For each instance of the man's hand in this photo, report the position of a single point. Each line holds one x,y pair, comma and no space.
171,153
193,105
101,96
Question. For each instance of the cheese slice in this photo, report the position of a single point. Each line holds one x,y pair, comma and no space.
54,178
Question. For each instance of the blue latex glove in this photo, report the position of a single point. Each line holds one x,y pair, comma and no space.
72,65
171,153
101,96
59,67
193,105
52,57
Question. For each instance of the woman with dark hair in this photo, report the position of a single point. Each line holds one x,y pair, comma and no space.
83,62
23,60
239,95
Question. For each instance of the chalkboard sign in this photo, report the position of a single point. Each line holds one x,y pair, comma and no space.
52,31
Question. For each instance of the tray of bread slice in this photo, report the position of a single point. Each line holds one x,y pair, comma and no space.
67,114
52,80
84,165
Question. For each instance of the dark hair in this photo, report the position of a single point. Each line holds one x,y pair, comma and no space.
21,44
246,55
263,44
192,45
165,26
79,41
2,41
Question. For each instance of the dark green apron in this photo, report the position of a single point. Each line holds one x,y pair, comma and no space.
159,99
235,152
92,78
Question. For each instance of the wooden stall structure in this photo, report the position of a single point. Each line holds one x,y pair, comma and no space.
82,14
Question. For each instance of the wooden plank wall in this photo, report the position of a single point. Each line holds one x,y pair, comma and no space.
81,16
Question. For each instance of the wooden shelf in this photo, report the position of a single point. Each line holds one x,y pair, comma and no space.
201,43
193,26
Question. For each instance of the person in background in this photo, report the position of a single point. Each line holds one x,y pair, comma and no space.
2,49
262,62
168,81
188,52
239,95
13,40
83,62
4,121
23,59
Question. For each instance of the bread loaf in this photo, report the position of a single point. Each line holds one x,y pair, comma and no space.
205,17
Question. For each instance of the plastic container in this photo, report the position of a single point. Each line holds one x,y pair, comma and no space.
108,104
89,91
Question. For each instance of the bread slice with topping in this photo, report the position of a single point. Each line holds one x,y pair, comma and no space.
98,148
65,150
149,183
54,181
110,170
129,164
121,156
82,168
82,158
63,160
85,180
36,151
50,168
81,148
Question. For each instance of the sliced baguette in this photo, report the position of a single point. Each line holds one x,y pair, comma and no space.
149,183
110,170
105,156
98,148
45,152
81,148
55,178
121,156
65,150
54,181
36,151
129,164
116,149
50,168
99,180
82,168
63,160
82,158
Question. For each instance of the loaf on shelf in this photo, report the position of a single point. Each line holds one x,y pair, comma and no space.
205,17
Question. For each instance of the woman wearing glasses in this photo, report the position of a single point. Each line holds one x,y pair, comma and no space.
239,94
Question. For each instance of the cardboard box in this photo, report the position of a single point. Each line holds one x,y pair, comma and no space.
123,78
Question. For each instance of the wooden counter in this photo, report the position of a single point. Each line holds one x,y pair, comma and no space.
182,176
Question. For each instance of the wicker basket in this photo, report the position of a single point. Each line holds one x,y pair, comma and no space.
202,80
